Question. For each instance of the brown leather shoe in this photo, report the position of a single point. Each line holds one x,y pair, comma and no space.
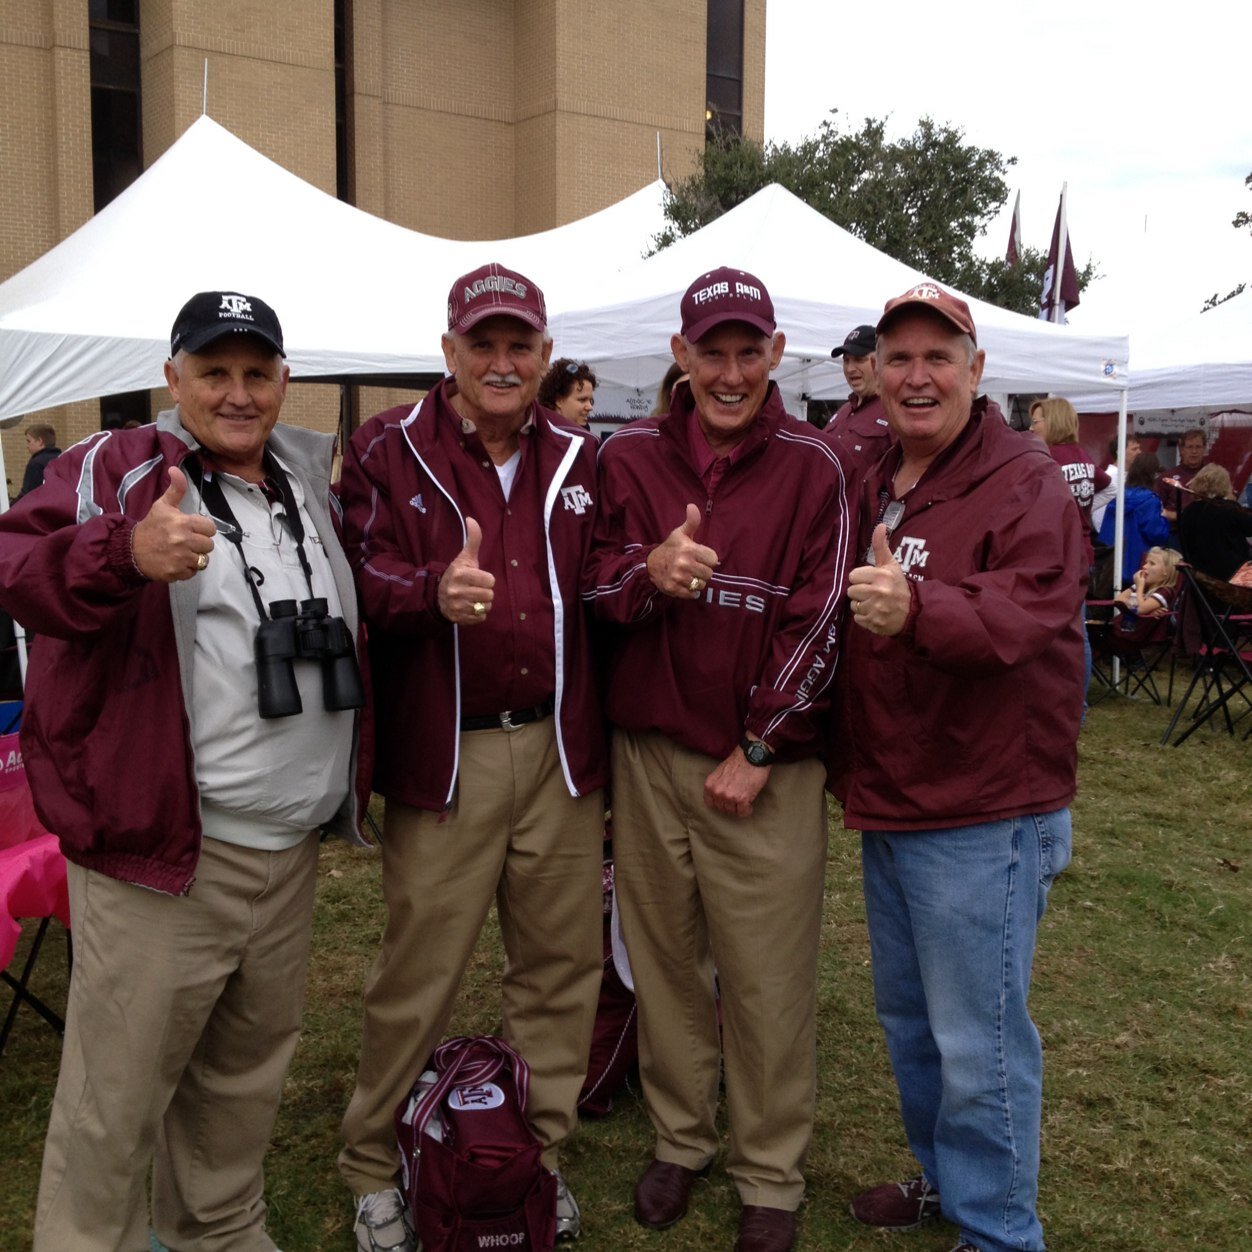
662,1192
765,1230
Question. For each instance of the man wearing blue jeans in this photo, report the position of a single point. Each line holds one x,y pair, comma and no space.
958,762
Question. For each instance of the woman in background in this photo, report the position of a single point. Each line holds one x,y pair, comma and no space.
1145,523
569,387
1213,530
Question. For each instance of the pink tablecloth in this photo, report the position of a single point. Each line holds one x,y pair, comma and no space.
32,884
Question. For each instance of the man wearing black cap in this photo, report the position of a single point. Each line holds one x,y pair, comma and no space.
150,562
467,519
964,674
721,547
860,427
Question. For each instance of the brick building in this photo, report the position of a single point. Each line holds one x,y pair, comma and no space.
462,118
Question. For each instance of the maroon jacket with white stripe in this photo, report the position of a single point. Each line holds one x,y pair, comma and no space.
758,649
402,525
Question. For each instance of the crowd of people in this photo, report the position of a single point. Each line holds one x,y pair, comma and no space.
504,627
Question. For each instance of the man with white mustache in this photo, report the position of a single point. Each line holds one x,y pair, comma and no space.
467,519
721,547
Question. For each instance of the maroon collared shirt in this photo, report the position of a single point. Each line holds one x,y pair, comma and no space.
507,660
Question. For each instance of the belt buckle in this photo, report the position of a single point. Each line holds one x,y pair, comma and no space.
507,722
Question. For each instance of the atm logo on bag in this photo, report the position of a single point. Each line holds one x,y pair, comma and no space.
474,1097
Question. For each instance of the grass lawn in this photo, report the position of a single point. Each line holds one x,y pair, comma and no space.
1143,995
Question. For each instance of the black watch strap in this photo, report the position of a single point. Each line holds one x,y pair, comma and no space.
756,752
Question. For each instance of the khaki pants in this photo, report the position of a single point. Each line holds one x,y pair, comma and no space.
699,890
517,836
183,1016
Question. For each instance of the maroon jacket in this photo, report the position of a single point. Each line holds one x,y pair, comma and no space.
861,430
402,527
971,714
1084,479
757,650
105,735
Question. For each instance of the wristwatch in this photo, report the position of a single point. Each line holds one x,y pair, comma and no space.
756,752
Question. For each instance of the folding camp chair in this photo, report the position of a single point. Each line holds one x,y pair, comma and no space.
32,885
1222,675
1136,662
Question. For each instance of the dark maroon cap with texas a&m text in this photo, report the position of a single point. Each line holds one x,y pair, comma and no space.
932,297
726,295
490,291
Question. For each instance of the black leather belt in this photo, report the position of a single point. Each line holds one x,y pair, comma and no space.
510,719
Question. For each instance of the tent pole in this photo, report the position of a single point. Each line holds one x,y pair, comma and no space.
1119,530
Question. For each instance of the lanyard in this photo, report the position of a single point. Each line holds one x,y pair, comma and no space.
219,508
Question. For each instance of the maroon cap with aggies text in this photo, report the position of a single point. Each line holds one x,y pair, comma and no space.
490,291
934,298
726,295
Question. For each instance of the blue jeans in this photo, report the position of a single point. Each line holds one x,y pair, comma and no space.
952,920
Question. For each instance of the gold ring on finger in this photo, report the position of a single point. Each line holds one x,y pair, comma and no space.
479,608
695,586
202,561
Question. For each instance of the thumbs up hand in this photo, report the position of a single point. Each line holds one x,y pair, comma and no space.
169,545
465,591
880,592
679,566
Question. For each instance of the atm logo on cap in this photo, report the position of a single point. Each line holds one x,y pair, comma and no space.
236,306
924,291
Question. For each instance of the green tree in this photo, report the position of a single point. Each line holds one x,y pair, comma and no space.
1240,221
924,199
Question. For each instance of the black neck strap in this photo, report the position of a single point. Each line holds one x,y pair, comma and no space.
219,507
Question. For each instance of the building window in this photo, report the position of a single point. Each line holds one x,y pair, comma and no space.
345,187
724,69
116,122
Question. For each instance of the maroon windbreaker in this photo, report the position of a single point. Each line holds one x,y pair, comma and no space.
971,714
402,525
758,649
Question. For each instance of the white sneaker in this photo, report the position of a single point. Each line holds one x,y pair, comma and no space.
569,1221
382,1223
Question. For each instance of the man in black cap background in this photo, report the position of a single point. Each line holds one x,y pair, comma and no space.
860,427
185,805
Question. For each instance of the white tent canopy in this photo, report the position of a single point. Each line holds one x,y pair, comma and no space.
356,294
823,281
1189,368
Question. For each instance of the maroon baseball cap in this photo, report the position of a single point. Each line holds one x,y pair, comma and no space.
726,295
930,296
493,290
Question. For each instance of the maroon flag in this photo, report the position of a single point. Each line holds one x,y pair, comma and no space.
1059,296
1014,251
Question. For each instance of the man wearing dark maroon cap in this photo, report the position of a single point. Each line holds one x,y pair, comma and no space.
467,519
859,427
721,545
964,677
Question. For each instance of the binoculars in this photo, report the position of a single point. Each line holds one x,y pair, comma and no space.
305,633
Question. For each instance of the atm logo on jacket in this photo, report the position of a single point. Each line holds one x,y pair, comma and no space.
576,498
912,554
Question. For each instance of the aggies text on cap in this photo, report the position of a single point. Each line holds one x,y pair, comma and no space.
927,295
726,295
209,315
492,290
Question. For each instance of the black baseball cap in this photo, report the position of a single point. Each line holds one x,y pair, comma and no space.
209,315
859,342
